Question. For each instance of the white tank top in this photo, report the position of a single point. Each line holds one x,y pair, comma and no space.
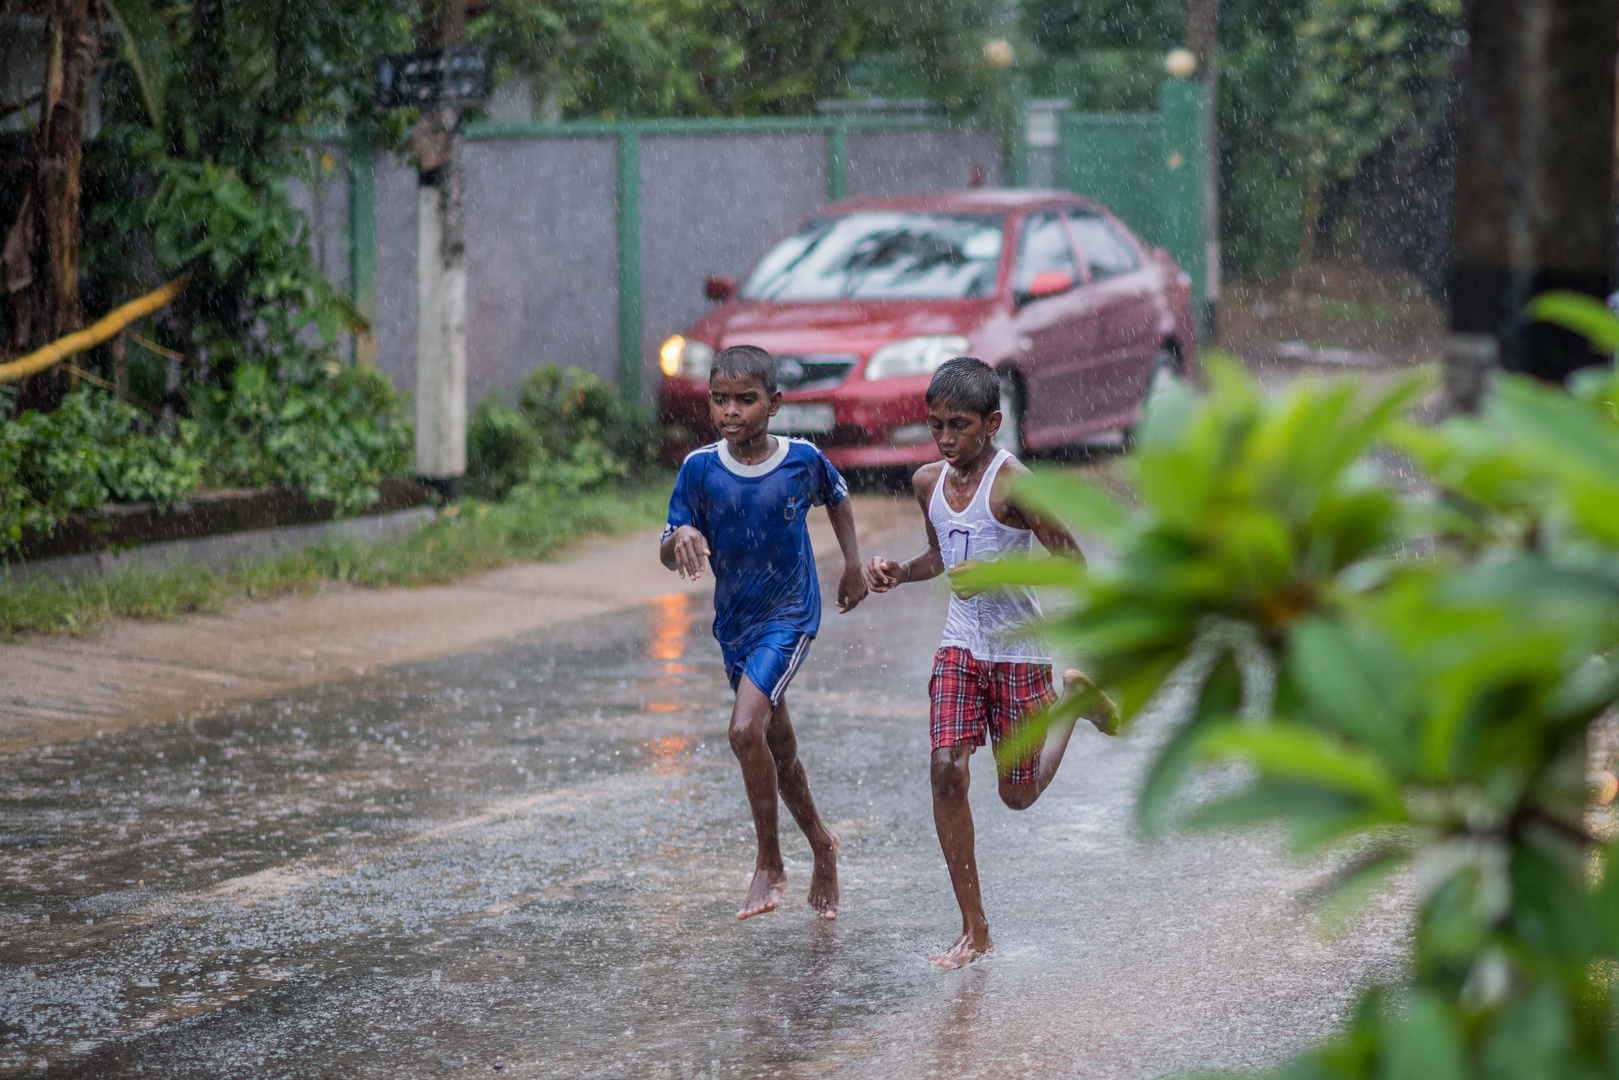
993,626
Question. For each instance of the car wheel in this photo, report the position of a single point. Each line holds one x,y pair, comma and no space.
1010,436
1167,370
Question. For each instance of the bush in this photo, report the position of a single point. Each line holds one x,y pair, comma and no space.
93,449
1409,682
569,429
327,429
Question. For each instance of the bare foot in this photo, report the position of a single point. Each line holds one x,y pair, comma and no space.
764,893
1074,682
968,947
823,893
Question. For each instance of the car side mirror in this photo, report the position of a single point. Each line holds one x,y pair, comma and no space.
719,287
1048,283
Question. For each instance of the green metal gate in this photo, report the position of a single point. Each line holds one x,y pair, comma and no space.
1152,170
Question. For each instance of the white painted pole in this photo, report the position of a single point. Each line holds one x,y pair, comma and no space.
441,336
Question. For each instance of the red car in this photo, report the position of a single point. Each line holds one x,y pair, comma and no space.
863,303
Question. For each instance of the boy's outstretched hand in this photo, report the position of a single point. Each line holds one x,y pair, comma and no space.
690,551
884,574
962,589
851,587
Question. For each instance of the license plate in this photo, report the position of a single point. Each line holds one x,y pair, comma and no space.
798,419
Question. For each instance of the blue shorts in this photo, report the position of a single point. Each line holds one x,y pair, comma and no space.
769,661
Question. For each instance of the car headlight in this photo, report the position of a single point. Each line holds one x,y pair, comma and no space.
684,358
914,356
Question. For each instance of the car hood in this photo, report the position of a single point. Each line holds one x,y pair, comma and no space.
836,326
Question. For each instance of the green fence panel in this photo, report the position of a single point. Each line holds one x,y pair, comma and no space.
1184,188
1116,159
363,245
1151,169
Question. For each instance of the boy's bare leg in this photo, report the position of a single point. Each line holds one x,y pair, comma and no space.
1023,796
749,719
794,785
953,819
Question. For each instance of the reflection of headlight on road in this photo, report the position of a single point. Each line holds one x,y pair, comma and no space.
686,359
914,356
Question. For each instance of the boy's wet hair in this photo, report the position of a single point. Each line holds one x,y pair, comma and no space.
967,383
745,362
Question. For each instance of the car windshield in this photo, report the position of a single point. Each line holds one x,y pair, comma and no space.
883,255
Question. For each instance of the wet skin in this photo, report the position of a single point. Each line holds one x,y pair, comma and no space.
965,441
761,735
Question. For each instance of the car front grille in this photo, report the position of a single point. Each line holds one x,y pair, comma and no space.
813,371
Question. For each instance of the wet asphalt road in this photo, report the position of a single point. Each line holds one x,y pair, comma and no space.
525,862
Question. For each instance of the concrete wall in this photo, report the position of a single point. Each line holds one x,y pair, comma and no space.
542,262
396,270
324,197
715,205
541,232
895,162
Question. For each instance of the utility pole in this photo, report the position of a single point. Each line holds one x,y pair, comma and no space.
441,274
1203,39
1534,184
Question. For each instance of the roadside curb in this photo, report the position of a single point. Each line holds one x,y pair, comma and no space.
220,552
214,529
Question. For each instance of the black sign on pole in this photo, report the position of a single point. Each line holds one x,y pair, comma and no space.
458,76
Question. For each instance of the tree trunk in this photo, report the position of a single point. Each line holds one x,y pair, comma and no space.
60,167
1312,222
41,253
1534,183
1203,38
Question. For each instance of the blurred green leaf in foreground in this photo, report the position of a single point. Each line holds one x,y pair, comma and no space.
1408,679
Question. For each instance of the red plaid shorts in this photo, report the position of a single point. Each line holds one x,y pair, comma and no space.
970,695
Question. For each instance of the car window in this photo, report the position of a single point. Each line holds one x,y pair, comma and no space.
883,255
1044,249
1106,253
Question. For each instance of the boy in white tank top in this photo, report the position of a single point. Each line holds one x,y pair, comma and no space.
990,673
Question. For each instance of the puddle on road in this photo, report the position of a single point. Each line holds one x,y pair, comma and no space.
529,858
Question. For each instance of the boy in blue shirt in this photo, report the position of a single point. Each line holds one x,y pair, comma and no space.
742,503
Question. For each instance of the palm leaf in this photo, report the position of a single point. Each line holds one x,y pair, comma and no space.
149,50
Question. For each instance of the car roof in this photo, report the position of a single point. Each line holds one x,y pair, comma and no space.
968,201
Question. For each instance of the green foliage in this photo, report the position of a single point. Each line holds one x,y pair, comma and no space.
197,185
1580,313
569,429
729,57
189,175
1065,27
1373,76
588,57
1101,80
94,448
253,284
326,429
145,46
1309,89
1263,184
1394,710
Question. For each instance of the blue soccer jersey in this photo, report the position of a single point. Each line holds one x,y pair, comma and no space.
754,518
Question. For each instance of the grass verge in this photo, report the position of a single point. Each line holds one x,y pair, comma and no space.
476,536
